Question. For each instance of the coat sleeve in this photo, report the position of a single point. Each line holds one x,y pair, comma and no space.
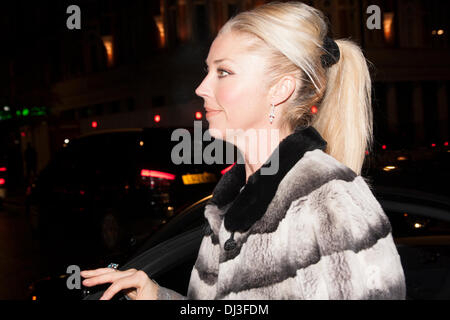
358,257
168,294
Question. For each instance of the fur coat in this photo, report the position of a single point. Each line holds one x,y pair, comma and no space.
313,230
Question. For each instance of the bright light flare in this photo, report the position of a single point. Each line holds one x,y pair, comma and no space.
227,169
157,174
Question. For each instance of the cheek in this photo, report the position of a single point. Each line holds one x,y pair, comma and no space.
241,100
238,101
229,97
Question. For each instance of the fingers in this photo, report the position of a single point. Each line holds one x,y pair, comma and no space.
107,277
121,280
121,284
96,272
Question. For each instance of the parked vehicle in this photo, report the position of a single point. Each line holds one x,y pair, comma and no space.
105,192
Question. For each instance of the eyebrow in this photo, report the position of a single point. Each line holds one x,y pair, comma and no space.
219,60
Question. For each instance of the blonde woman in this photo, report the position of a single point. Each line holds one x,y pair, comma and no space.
312,229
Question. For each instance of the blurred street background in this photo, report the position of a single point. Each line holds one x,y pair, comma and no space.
21,258
78,106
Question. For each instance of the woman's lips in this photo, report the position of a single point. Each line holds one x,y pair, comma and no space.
210,113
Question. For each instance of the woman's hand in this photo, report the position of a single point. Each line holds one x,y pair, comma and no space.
136,284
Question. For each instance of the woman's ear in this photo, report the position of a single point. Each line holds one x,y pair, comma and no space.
283,89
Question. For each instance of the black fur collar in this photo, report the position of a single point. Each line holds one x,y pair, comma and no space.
251,204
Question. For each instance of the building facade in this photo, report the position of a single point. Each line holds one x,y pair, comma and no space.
132,61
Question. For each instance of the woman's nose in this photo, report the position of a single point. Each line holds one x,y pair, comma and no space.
202,89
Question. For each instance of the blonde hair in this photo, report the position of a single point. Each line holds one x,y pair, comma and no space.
291,36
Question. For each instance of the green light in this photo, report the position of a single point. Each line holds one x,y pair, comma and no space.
25,112
18,113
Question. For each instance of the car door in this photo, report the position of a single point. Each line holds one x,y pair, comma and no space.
170,255
421,229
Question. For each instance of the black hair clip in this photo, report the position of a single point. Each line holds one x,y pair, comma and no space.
332,53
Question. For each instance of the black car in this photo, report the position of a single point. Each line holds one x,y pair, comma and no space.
106,192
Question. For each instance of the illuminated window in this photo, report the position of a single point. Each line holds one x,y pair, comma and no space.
162,34
109,47
388,26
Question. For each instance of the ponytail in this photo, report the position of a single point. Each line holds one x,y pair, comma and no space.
345,115
292,35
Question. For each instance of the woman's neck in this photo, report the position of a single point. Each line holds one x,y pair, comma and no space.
257,150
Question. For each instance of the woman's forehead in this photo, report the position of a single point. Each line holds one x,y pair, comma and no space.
230,46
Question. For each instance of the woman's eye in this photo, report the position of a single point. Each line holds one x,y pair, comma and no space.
221,73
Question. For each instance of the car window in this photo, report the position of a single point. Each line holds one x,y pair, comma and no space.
169,263
188,219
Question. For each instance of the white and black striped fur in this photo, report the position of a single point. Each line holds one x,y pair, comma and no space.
312,231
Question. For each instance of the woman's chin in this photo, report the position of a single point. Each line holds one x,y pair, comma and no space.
215,132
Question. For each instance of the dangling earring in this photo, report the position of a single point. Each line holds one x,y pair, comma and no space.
272,113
